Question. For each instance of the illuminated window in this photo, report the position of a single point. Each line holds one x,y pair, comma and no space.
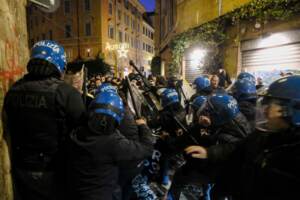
111,31
120,36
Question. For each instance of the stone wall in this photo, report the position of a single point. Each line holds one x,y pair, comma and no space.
13,58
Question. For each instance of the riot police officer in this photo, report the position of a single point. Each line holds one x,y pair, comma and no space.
269,158
97,149
40,109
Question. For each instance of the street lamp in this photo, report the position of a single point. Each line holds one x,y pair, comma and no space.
197,56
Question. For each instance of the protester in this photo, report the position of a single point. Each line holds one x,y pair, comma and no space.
224,78
215,88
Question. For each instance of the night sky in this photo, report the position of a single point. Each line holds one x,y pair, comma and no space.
149,5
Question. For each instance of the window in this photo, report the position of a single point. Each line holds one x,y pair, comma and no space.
43,36
143,30
119,15
125,18
136,43
133,24
110,8
69,54
50,35
126,37
120,36
67,6
88,29
143,46
87,5
111,31
138,27
151,35
132,42
126,4
68,31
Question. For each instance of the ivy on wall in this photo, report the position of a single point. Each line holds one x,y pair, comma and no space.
212,35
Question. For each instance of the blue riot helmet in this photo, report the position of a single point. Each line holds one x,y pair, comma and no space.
243,89
198,102
108,103
221,108
51,52
169,96
202,84
106,87
247,76
281,100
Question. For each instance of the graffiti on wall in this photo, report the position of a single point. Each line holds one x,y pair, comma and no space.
10,67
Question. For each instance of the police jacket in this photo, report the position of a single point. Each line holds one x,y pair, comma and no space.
129,129
94,158
248,108
269,163
235,130
40,111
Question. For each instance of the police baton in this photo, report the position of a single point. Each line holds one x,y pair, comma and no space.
147,84
185,130
85,72
138,115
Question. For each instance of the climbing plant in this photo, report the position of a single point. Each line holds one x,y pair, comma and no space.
213,34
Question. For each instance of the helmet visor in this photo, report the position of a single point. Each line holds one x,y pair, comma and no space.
271,114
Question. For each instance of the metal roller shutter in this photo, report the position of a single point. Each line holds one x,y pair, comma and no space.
280,57
191,72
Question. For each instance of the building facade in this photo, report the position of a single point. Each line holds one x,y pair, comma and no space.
112,29
177,16
262,46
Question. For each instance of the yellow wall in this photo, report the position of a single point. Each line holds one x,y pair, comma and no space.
13,59
192,13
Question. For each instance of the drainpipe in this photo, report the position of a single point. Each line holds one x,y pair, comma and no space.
219,7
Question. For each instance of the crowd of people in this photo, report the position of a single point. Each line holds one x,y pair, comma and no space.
238,145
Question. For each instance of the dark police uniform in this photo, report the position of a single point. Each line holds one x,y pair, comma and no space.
40,112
